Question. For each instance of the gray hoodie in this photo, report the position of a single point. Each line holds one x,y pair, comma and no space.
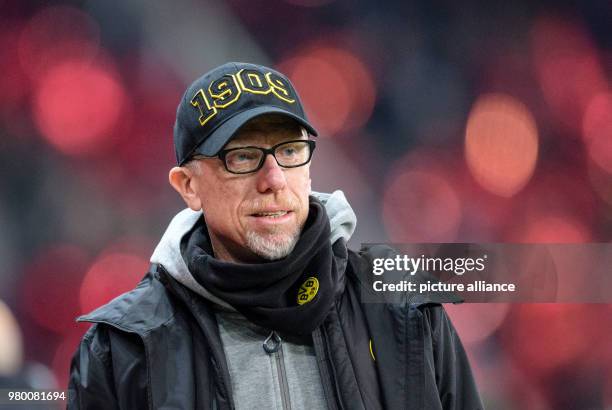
284,376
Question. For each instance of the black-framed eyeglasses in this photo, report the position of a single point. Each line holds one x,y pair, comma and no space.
244,160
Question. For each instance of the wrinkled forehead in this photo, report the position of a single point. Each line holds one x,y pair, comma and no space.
269,130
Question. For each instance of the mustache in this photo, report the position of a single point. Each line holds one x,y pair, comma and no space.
262,204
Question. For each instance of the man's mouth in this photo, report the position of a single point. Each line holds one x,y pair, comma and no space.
275,214
268,217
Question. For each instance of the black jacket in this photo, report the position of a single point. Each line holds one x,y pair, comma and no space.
158,347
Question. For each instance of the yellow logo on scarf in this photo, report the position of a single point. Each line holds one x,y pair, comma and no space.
308,290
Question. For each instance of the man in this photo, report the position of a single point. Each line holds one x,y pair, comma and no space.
253,300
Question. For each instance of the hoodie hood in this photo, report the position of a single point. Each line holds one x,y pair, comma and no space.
167,253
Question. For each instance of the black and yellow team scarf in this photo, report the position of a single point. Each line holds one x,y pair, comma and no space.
291,295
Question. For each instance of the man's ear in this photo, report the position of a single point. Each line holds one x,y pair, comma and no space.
182,180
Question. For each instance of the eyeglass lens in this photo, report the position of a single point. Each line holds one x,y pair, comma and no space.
290,154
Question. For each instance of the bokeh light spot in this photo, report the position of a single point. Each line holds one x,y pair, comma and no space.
501,144
111,275
77,105
336,87
566,336
597,130
555,229
328,113
473,323
420,206
601,182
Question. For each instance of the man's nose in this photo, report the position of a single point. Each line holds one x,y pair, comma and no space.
271,176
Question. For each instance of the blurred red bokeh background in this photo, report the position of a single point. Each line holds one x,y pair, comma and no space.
454,123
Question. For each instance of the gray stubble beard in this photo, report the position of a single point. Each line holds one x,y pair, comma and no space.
272,249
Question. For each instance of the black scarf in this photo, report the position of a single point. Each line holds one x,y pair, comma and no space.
269,293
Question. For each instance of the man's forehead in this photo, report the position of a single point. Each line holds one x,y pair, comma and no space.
268,129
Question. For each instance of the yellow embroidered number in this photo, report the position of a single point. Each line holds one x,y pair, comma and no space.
253,81
201,103
280,88
224,91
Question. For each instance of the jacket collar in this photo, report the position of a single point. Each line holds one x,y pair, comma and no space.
144,308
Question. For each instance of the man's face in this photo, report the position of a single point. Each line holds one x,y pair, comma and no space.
256,215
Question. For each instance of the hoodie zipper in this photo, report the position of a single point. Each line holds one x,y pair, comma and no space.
273,346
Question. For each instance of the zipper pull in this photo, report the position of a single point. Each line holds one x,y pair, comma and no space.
272,343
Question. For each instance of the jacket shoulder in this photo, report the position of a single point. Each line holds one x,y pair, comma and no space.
145,307
361,261
361,278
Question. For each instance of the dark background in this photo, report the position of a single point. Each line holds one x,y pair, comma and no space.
442,121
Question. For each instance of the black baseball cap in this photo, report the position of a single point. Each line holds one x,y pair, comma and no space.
216,105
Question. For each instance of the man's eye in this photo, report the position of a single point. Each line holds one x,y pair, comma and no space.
243,156
289,151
